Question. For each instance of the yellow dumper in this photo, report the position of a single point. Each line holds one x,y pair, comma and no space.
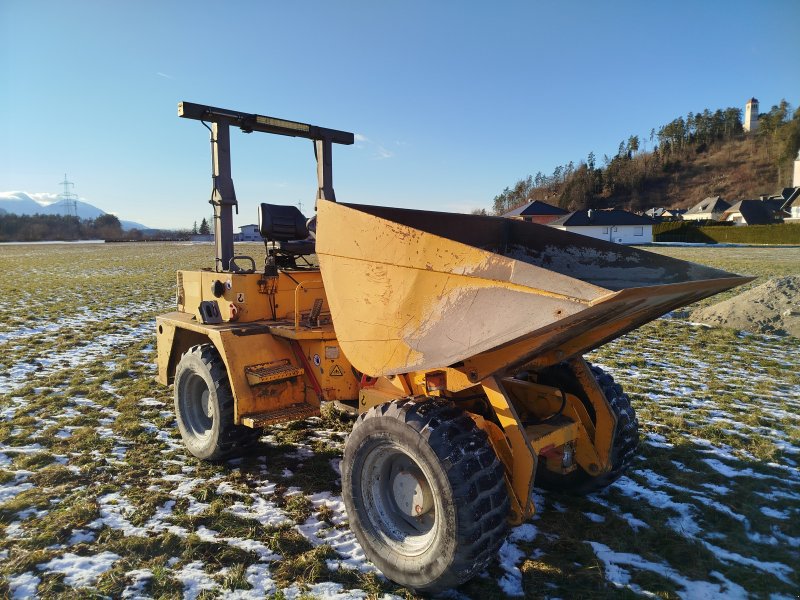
457,339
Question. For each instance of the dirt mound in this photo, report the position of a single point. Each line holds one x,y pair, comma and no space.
773,307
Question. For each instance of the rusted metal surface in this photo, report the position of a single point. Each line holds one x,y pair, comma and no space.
416,290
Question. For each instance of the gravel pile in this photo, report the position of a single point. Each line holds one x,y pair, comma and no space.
773,307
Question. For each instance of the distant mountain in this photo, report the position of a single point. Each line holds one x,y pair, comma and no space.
21,203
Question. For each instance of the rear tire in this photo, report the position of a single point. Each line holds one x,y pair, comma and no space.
204,406
623,447
424,492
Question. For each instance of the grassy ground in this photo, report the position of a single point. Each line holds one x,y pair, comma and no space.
97,496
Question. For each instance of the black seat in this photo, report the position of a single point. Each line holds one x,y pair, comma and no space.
285,225
280,223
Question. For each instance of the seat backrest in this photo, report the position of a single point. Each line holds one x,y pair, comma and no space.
281,223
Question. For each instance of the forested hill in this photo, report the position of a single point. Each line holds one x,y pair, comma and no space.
699,155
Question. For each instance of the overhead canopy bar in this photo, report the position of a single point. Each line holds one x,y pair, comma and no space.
223,195
249,122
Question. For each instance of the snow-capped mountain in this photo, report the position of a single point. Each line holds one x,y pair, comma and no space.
22,203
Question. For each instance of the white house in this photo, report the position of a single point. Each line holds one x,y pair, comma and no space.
250,233
708,209
618,226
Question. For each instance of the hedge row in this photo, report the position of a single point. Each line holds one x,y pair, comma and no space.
676,231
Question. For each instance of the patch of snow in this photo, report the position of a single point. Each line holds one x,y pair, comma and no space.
509,557
594,517
263,586
526,532
657,440
728,471
80,536
683,524
633,522
140,578
692,590
717,489
15,531
339,536
80,571
23,585
777,569
195,580
11,489
150,402
226,488
324,591
262,510
29,449
21,372
775,514
114,512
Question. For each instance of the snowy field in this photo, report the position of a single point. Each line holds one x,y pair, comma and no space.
97,497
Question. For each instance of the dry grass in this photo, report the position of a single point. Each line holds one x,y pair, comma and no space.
90,461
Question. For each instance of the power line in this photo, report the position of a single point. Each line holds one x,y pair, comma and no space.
68,199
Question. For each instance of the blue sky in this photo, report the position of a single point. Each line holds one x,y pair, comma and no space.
453,101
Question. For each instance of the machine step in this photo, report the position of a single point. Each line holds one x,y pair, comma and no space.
271,372
293,412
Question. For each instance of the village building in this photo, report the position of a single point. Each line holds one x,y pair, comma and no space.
665,214
536,212
249,233
618,226
708,209
754,212
785,199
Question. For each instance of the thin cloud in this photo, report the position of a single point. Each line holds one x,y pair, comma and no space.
380,152
164,75
383,153
44,197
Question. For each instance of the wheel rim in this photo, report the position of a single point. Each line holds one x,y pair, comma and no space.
198,416
398,500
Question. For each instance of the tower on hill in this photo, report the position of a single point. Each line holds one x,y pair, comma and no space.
751,115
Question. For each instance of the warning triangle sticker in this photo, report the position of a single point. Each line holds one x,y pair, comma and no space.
336,371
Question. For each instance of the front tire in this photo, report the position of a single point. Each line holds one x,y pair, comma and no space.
204,406
623,446
424,492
